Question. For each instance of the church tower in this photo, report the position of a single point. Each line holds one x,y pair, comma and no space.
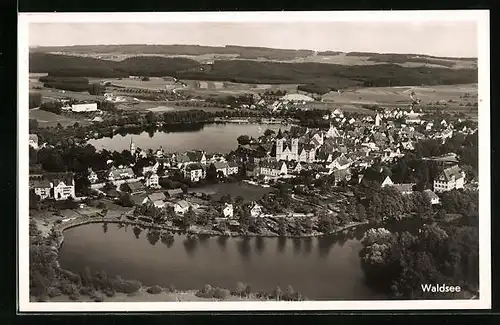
132,146
279,148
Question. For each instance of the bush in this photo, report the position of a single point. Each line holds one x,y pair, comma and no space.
154,290
53,292
109,292
98,297
126,286
87,291
221,293
171,288
74,296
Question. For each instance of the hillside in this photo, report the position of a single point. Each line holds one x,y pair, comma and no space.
332,76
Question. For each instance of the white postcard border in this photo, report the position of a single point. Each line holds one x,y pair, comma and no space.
480,16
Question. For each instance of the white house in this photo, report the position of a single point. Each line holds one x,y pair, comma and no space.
449,179
85,107
92,176
58,186
432,197
232,168
181,207
157,199
120,173
151,168
387,182
256,210
194,172
273,168
152,179
33,141
228,211
341,162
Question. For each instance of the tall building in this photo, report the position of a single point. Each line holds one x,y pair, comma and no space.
132,146
449,179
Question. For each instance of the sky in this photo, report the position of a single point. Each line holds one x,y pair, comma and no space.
454,39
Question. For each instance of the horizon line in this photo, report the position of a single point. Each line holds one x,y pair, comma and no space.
248,46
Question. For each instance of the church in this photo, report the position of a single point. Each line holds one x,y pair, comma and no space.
289,148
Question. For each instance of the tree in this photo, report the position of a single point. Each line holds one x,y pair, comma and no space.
240,288
126,200
243,140
269,132
277,293
150,117
211,174
35,100
289,293
282,227
33,124
96,89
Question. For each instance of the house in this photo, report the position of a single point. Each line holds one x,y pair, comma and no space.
294,167
92,176
194,172
256,210
116,174
58,186
341,162
151,168
181,207
197,156
221,168
404,189
232,168
157,199
41,188
273,168
376,177
175,192
432,197
33,141
84,107
152,179
134,188
449,179
228,211
343,175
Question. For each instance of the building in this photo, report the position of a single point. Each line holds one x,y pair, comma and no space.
290,149
432,197
33,141
181,207
449,179
273,168
84,107
157,199
256,210
175,192
152,179
116,174
405,189
194,172
228,211
58,186
341,162
232,168
133,188
92,176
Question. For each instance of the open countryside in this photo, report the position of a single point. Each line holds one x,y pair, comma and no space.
191,173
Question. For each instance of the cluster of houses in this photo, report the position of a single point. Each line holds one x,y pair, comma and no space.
348,145
78,107
57,186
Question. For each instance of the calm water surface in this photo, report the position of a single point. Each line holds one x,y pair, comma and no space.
322,268
211,138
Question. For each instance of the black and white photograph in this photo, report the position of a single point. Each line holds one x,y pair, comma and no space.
254,161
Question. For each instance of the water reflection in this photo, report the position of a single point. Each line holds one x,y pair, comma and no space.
137,231
167,239
105,227
296,245
222,241
281,244
259,245
308,245
244,248
324,245
204,240
153,236
190,244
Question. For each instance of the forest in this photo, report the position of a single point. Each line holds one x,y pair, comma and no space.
245,71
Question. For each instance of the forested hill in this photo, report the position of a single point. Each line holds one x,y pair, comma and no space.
333,76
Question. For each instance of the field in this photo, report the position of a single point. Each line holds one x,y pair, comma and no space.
452,95
48,119
213,88
162,106
153,83
247,191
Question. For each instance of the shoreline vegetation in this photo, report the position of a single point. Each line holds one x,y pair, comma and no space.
98,287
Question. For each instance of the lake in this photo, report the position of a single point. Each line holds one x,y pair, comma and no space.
326,268
211,138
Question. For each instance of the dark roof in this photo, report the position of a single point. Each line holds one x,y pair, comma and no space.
55,178
232,164
159,196
194,167
135,186
431,195
175,191
195,155
271,164
451,172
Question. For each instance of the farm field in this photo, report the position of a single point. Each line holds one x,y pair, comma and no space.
153,83
453,95
48,119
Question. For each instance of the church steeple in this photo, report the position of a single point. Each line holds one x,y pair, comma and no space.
132,146
279,135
